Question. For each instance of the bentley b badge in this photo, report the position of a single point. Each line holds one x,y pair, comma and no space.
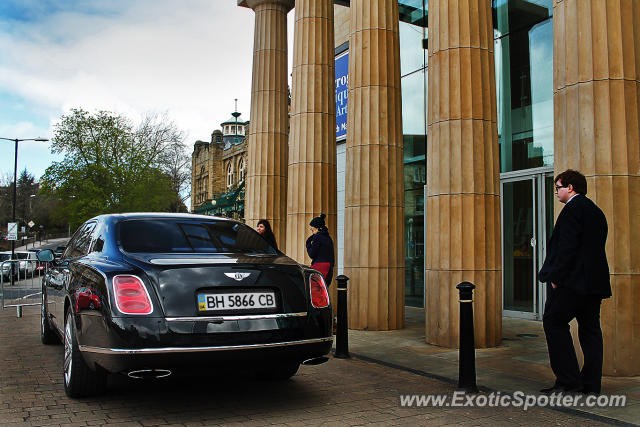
237,276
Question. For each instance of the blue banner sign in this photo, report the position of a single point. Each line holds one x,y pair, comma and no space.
342,83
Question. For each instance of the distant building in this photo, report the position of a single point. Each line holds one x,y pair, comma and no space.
219,170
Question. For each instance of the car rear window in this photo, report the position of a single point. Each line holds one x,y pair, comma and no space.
167,236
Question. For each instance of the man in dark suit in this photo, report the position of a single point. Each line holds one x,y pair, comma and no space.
577,276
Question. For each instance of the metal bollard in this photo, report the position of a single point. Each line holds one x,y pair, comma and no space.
19,311
467,363
342,334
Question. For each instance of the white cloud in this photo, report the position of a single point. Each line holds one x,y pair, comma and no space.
190,58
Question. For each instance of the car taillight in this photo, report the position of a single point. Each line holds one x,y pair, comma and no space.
319,295
131,296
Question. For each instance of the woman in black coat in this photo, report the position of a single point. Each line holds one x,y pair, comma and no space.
320,248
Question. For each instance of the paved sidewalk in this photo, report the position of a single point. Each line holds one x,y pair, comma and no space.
521,363
340,392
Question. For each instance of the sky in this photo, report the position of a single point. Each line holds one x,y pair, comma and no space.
187,58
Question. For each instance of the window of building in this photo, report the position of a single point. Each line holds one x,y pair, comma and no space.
241,169
413,68
523,32
230,174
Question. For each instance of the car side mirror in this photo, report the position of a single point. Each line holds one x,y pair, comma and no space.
45,255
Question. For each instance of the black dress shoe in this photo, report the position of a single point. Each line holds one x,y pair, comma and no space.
554,389
557,388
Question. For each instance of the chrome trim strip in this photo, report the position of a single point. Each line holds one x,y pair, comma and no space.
164,350
190,261
231,318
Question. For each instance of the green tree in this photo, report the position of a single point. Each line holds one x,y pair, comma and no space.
109,165
27,186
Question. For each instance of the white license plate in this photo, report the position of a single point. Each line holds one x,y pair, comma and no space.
236,301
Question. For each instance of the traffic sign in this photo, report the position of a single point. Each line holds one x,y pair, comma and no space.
12,231
31,224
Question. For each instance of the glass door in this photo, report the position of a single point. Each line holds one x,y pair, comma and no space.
527,220
519,257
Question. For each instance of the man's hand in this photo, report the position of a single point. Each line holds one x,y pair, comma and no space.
554,285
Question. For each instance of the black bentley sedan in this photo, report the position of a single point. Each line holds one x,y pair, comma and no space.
147,294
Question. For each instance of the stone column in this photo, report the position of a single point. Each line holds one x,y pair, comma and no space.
312,139
463,175
374,205
597,128
266,183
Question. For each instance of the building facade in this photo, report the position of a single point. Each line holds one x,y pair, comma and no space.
219,169
459,114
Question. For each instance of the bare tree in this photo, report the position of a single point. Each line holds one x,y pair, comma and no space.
163,138
176,163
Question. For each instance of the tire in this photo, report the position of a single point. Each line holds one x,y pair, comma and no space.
47,334
279,372
79,379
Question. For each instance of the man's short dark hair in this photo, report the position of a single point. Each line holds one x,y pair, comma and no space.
573,178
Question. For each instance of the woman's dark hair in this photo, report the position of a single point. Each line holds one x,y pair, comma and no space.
268,233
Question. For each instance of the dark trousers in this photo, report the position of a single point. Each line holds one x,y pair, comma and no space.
562,306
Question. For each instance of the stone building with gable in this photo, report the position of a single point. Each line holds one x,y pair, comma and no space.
219,170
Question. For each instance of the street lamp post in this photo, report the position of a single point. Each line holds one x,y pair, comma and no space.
15,190
30,219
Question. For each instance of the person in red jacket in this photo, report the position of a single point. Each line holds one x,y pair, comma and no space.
320,248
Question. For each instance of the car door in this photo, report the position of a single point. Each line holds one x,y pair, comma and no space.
60,278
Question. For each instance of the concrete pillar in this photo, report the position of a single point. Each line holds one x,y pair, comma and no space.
266,183
597,128
312,139
463,174
374,205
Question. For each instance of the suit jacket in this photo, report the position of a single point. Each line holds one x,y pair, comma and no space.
576,257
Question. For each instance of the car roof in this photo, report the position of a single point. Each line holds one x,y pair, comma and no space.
117,218
161,215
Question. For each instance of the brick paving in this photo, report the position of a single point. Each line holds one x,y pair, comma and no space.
340,392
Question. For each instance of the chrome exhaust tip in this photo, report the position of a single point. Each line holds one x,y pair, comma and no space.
315,361
146,374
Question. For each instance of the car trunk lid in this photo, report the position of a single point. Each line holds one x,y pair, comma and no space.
179,280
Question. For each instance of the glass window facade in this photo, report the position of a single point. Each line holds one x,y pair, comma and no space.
413,68
523,32
523,37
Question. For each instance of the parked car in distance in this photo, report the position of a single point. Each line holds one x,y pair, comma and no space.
149,294
28,263
6,266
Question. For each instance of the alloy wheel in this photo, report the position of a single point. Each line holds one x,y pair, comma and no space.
67,350
42,315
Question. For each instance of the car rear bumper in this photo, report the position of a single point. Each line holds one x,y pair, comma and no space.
178,358
125,344
167,350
